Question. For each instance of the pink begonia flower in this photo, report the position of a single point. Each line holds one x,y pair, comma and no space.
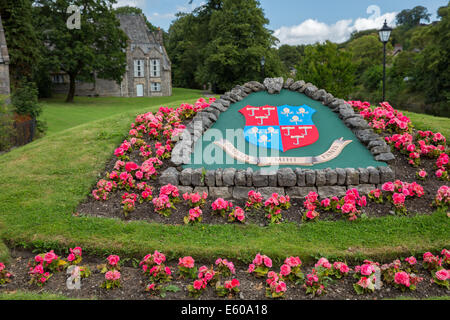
367,269
187,262
285,270
402,278
113,260
443,275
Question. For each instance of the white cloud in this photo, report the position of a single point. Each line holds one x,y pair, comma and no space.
312,31
131,3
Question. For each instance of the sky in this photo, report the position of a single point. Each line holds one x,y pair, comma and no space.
302,21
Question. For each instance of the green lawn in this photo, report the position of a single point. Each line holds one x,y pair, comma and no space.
44,181
25,295
60,115
427,122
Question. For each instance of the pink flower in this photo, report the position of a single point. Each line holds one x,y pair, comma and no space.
367,269
268,262
325,202
251,268
402,278
109,276
187,262
113,260
398,198
422,173
293,261
285,270
2,266
199,284
281,287
388,186
443,275
411,260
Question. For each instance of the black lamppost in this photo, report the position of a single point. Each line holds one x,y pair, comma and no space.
384,33
263,62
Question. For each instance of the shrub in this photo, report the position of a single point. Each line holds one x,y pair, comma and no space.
7,131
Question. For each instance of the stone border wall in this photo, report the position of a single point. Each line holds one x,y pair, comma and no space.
232,183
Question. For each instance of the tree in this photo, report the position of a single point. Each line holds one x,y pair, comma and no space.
327,67
366,51
24,45
95,50
432,64
239,39
412,17
290,55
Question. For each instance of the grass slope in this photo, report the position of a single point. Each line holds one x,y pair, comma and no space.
43,182
60,115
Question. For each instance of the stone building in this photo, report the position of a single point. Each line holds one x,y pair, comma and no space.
148,71
4,63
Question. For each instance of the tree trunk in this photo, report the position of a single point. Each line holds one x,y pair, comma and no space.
71,93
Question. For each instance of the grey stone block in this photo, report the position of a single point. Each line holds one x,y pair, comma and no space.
363,175
386,157
321,178
352,176
260,180
380,149
297,85
184,189
170,175
310,178
219,177
267,192
374,175
273,179
249,177
273,85
198,179
332,177
239,178
363,189
200,190
386,174
210,178
228,176
241,193
220,192
299,192
301,177
288,83
341,176
286,177
331,191
186,177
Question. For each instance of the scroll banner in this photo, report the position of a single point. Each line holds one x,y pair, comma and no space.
335,149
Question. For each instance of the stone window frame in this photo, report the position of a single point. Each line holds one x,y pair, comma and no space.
136,64
295,182
153,73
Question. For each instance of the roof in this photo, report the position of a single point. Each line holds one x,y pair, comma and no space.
137,31
4,57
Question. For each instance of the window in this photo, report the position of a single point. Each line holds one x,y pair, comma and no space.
156,86
155,70
138,68
58,78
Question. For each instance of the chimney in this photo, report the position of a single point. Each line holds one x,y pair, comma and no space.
159,36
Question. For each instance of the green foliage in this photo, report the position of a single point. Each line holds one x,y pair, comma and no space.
6,125
222,43
25,100
290,55
367,51
24,45
98,48
327,67
412,17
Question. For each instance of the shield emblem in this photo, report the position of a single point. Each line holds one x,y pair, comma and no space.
280,127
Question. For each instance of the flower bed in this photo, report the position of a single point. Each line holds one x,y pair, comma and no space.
131,188
156,278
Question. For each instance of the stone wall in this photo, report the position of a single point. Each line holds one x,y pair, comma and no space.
232,183
4,79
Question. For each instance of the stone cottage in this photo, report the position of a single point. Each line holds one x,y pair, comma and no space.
4,63
148,71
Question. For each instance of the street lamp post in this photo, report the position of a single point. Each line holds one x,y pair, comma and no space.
384,33
263,62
